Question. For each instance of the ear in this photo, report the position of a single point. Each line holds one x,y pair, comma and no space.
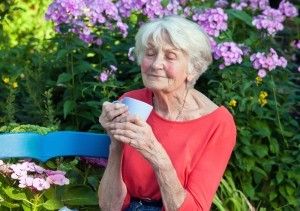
191,76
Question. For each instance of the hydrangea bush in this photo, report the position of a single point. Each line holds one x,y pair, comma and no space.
90,59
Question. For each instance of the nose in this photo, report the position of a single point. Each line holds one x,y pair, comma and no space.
158,62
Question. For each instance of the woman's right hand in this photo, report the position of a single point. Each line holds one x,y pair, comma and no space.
112,113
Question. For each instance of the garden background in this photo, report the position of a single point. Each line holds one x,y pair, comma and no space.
60,60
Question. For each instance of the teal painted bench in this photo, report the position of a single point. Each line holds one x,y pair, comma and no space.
53,144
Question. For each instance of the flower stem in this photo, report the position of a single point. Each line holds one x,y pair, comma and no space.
277,112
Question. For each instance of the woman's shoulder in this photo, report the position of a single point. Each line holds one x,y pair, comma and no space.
210,108
143,94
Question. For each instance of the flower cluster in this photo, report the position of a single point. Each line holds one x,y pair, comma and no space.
252,4
105,74
263,63
7,81
288,9
229,52
262,98
270,19
33,176
151,8
212,20
232,103
81,15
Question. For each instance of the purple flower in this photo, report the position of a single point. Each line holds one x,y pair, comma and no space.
95,161
288,9
299,69
213,21
239,6
229,52
267,62
104,76
271,20
221,3
259,4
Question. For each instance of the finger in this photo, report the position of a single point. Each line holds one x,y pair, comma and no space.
122,125
126,133
122,139
121,118
116,110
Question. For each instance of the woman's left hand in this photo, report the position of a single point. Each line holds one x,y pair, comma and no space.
135,132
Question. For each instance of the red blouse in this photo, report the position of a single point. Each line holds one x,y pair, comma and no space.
199,150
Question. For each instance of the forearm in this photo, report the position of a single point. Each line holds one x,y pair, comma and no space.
112,190
172,192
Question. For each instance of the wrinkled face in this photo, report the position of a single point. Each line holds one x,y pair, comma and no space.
164,68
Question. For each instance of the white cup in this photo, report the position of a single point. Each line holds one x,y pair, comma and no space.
137,107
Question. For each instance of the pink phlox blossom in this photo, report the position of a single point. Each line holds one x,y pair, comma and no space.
221,3
239,6
288,9
270,19
267,62
261,73
213,21
258,4
229,52
1,162
298,69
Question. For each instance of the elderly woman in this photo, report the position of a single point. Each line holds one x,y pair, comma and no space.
175,159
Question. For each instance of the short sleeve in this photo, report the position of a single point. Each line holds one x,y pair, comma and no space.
206,175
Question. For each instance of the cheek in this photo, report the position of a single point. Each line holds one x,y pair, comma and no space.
145,65
171,71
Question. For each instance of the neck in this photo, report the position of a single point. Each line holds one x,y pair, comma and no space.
170,105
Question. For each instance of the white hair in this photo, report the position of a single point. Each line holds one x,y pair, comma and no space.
183,34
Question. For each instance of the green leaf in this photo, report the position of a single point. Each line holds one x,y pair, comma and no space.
80,195
63,78
15,193
272,196
261,128
69,106
53,204
274,146
242,15
279,176
261,150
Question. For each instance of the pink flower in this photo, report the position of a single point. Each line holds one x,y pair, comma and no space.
213,21
40,184
288,9
262,73
58,179
104,76
270,19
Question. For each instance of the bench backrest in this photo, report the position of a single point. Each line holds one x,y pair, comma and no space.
53,144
